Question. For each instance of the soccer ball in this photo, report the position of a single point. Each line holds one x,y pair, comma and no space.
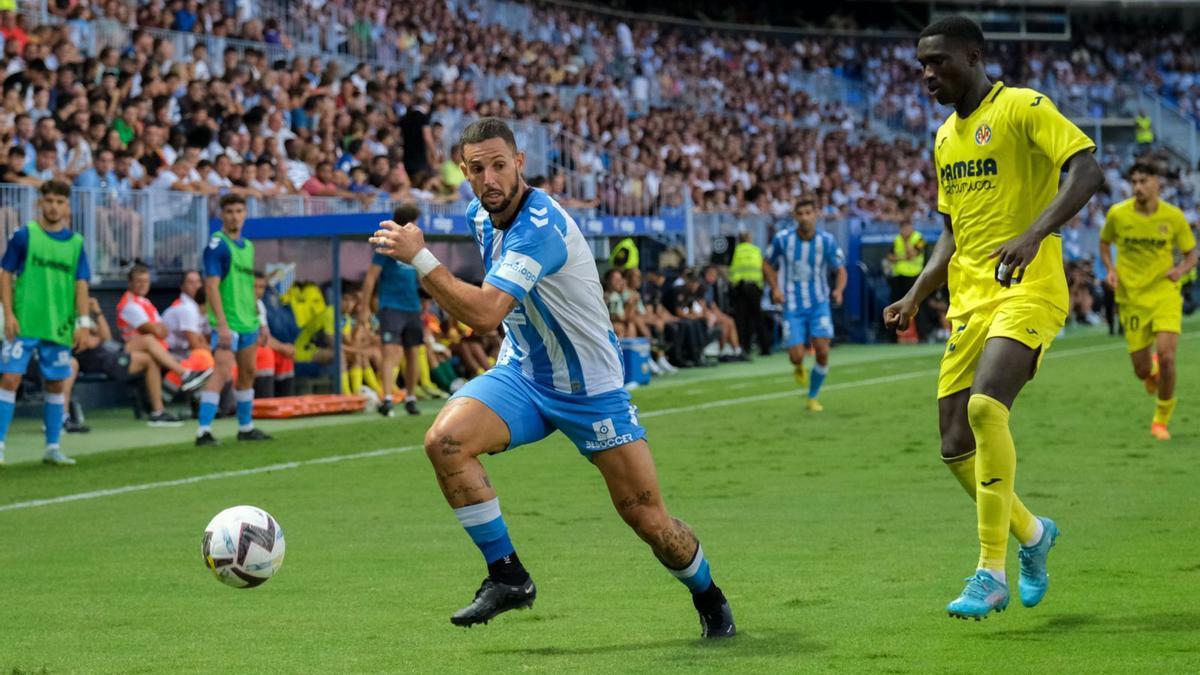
243,546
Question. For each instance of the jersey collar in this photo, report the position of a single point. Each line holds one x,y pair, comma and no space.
520,205
989,99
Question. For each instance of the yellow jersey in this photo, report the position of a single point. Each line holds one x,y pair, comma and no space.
1145,249
998,169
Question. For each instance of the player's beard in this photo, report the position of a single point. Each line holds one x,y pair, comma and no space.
504,204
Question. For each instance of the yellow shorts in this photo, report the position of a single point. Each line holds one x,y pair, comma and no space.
1142,320
1029,321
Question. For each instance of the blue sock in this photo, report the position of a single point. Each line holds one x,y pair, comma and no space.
209,400
696,576
245,409
8,404
487,529
815,379
52,416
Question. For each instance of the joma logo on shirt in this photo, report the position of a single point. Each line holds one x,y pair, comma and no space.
968,169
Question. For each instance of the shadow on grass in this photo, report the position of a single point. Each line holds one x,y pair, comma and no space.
752,644
1161,622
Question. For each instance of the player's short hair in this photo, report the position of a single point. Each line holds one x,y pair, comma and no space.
231,198
259,274
1143,168
958,29
56,187
487,128
806,199
136,269
406,212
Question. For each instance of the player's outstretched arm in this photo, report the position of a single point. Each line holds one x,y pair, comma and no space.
481,308
933,277
1084,179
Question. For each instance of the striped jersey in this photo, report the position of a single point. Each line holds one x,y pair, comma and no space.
803,267
559,334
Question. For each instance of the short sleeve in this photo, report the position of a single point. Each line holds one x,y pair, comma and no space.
14,255
837,259
1108,234
942,205
134,315
1049,130
1185,239
83,270
216,258
774,250
380,259
531,253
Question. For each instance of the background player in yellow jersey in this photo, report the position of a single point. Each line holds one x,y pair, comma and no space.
998,158
1146,231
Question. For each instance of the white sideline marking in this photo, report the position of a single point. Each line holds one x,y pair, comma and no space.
849,385
95,494
333,459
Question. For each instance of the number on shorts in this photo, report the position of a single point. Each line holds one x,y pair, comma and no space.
1132,323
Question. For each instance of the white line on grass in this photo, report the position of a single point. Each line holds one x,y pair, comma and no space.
333,459
95,494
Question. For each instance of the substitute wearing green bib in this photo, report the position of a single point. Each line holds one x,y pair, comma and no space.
236,272
45,291
237,330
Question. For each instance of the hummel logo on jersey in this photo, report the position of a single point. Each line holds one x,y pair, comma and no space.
990,482
540,222
539,212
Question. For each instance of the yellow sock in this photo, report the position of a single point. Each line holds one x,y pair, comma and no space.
995,471
345,382
423,363
1163,411
1022,523
372,381
356,379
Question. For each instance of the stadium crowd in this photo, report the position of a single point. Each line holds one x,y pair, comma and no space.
736,126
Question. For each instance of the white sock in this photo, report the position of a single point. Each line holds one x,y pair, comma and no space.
200,431
1037,533
410,397
387,399
53,446
998,575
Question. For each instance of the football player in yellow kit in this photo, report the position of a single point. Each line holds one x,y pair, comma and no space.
1146,231
998,158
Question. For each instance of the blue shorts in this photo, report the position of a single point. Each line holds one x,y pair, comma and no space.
54,359
802,325
532,411
240,341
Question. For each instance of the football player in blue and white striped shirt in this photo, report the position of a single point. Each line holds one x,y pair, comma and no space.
560,368
797,266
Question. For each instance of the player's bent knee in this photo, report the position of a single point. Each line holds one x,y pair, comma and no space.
983,411
10,381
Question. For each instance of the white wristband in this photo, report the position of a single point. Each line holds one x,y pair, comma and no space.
425,262
84,322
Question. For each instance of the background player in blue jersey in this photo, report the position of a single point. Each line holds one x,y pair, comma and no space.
400,328
559,368
797,266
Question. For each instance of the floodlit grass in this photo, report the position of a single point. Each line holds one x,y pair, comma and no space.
838,537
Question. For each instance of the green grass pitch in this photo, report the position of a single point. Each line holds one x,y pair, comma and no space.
838,537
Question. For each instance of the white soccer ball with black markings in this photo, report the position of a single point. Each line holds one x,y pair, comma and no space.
243,546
